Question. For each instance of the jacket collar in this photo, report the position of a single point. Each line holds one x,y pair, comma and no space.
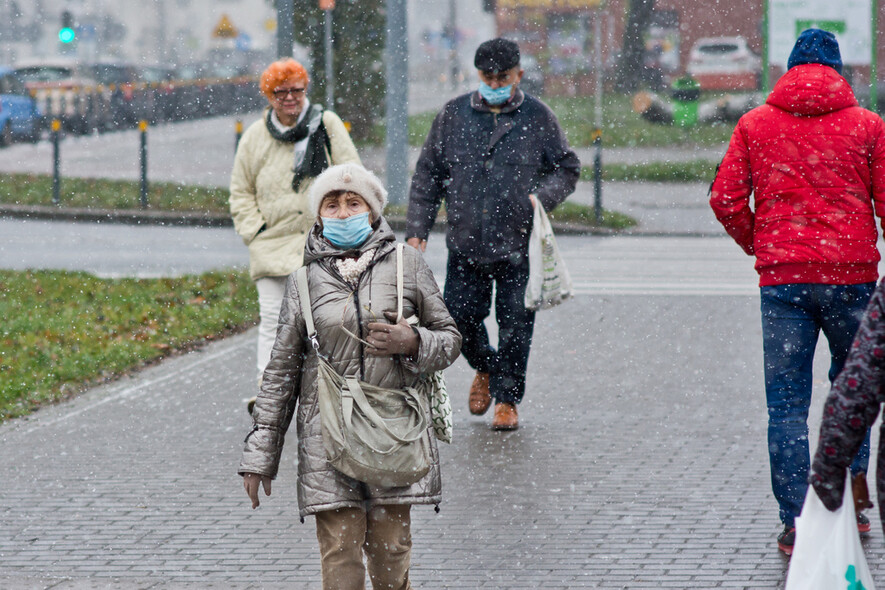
812,90
511,105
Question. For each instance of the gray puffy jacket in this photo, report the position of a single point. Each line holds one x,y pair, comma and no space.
289,387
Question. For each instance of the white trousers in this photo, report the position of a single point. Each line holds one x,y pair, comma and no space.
270,298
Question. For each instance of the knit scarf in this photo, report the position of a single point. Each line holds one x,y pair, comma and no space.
352,268
311,125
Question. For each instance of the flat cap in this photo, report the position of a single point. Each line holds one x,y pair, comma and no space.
496,55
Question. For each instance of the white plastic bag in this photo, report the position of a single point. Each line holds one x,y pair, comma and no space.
828,553
549,281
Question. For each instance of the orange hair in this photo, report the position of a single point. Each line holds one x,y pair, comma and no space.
282,71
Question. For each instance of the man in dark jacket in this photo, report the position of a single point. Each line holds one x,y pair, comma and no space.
814,162
491,155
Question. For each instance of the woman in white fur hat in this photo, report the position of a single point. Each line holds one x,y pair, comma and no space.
351,270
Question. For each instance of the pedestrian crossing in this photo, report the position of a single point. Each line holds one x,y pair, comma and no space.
646,266
662,266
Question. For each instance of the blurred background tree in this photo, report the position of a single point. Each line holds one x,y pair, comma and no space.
629,73
358,38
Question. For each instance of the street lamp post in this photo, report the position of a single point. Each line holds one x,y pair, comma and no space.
397,101
327,6
285,27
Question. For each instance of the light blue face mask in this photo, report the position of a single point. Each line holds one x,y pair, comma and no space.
495,96
349,232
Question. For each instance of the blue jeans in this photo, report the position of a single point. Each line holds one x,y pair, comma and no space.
792,317
468,295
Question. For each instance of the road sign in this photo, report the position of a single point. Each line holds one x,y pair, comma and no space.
243,42
225,29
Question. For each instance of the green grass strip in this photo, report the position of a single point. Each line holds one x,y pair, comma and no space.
621,127
90,193
692,171
584,215
93,193
63,331
566,213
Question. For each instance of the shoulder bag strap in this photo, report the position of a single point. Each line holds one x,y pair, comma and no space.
304,299
399,281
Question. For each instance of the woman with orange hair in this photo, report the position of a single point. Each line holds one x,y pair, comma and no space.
277,159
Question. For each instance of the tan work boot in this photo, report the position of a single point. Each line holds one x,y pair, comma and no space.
505,417
480,398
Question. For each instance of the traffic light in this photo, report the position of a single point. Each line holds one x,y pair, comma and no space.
66,33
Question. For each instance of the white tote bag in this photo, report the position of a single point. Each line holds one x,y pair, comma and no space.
828,553
549,281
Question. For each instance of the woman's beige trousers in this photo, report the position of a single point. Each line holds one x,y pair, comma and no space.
383,534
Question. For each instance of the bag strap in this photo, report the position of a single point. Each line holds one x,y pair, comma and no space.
304,299
399,281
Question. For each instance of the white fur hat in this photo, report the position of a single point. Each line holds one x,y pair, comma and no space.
351,178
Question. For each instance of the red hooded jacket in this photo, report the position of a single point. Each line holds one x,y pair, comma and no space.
814,162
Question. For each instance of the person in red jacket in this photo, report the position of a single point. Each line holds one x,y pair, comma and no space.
814,163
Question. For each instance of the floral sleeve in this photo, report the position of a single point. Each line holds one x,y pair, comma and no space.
852,406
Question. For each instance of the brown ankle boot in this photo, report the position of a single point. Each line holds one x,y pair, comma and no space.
505,417
480,399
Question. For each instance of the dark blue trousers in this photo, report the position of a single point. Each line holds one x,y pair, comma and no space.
468,295
793,316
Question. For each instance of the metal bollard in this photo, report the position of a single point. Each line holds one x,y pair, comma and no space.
56,162
142,127
239,132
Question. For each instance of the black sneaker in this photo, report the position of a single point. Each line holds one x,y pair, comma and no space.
863,523
787,539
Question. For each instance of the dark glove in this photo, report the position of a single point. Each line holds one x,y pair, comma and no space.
830,494
391,339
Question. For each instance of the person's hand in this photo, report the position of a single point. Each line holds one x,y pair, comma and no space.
251,482
830,494
418,244
391,339
534,200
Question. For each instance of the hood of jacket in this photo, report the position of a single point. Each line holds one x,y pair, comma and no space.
812,90
318,248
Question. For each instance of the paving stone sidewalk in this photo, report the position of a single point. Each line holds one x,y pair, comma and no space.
640,464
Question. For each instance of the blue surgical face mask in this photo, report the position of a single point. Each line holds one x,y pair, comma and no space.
349,232
495,96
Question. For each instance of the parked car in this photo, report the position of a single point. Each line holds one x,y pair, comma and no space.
724,63
64,91
127,98
19,117
156,74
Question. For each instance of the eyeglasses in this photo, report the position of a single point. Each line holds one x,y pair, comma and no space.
284,92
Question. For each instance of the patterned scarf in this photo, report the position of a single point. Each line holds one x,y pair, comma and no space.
352,268
311,125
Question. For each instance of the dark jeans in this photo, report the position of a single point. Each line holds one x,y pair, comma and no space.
468,295
792,317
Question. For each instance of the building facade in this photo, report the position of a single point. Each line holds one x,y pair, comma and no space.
559,34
